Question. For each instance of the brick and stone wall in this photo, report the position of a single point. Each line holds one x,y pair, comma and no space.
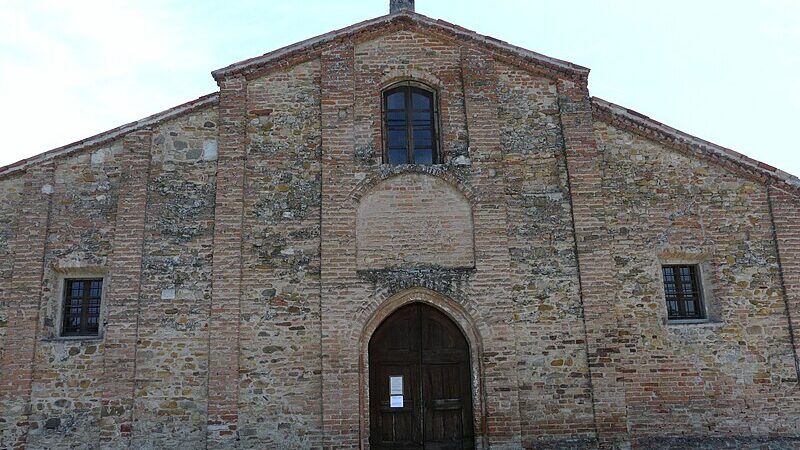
172,326
554,385
786,222
280,373
9,198
249,247
723,378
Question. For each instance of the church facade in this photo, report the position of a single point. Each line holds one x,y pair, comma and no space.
400,234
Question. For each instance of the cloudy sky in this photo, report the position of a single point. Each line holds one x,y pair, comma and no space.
724,70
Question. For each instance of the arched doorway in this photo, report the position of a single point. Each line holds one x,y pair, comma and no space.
420,384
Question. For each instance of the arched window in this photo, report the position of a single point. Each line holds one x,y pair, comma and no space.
409,125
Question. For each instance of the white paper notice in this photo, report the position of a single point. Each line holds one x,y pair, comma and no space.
396,386
396,401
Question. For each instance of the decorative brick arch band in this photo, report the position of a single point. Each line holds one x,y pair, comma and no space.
465,323
372,180
399,75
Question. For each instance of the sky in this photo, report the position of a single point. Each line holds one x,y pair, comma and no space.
723,70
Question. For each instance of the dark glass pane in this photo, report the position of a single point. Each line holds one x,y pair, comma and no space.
421,119
672,307
669,281
423,156
398,156
397,138
396,119
76,303
698,308
687,282
77,289
420,101
690,308
423,145
97,287
396,100
422,138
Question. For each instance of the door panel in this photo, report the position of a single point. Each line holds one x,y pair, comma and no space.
443,405
399,425
431,354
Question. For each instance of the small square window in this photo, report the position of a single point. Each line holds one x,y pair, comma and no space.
683,292
82,307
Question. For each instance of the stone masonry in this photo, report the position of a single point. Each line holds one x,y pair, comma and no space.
251,240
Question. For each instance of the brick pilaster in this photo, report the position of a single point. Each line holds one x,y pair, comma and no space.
339,360
22,305
223,376
493,266
785,209
595,263
122,293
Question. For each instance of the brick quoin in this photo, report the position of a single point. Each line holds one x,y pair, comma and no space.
223,370
594,260
491,245
22,305
340,409
123,294
785,209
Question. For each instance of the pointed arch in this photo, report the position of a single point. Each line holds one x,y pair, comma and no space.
466,324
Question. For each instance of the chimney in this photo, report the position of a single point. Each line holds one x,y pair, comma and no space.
400,5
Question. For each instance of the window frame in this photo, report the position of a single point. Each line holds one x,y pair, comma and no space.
409,87
84,332
702,313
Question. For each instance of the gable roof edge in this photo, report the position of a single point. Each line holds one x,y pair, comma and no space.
111,134
318,41
641,124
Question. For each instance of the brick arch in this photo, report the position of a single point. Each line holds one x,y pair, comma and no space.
371,181
399,75
414,219
371,318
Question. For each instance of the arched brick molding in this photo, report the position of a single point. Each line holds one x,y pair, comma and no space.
411,220
466,324
371,180
398,75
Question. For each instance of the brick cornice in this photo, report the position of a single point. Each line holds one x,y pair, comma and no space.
112,134
369,29
635,122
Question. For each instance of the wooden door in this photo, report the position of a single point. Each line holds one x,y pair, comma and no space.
428,354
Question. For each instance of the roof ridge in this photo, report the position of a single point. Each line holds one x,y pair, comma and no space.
112,134
678,137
